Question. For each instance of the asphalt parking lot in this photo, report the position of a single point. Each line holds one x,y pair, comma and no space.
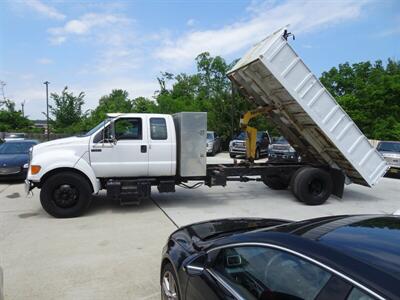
114,252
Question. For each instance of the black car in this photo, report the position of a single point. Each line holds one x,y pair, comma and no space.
353,257
14,158
281,150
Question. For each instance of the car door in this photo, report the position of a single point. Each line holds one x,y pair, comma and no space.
162,147
123,155
259,272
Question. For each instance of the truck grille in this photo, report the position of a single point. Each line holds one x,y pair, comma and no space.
393,161
9,170
275,147
239,144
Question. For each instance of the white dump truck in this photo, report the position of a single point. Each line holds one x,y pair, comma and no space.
127,154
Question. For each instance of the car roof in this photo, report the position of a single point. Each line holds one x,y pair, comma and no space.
21,141
363,247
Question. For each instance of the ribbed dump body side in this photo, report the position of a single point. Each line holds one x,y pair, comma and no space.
271,73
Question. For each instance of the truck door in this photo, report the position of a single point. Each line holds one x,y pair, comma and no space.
161,147
127,155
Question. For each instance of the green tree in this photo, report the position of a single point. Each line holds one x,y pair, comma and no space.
208,90
116,101
143,105
66,111
370,94
11,120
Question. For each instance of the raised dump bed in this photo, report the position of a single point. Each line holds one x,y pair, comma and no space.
272,74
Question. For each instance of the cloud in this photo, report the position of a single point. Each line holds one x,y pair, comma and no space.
44,61
191,22
85,25
44,9
304,16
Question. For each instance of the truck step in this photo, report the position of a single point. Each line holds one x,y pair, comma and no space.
128,192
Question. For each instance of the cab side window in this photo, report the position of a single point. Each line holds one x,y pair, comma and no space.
158,129
128,129
257,272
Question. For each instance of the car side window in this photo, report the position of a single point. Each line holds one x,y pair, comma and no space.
158,129
357,294
128,129
264,273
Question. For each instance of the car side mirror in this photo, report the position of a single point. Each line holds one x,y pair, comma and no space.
194,266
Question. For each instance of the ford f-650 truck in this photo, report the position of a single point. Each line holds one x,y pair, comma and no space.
127,154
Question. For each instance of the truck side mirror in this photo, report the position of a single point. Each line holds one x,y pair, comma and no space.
112,133
195,266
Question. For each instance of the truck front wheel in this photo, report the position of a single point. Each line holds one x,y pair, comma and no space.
312,186
65,195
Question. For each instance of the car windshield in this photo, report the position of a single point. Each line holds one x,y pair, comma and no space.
388,146
15,148
210,135
94,129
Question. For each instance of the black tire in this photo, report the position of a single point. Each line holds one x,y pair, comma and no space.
66,195
257,156
275,182
213,152
232,155
312,186
292,180
168,268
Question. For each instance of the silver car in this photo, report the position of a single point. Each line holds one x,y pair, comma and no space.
391,153
213,143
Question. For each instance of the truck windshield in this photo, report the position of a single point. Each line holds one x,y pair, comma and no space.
94,129
280,140
389,147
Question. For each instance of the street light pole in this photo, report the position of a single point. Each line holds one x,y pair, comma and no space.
47,109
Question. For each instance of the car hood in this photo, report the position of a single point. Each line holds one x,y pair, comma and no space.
201,234
13,160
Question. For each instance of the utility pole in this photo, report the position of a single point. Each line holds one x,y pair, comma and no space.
47,109
22,108
232,109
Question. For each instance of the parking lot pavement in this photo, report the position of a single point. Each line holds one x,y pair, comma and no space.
111,253
114,252
254,199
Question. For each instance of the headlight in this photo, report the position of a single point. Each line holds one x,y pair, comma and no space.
26,166
291,149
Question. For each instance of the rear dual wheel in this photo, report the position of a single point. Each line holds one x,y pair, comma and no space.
313,186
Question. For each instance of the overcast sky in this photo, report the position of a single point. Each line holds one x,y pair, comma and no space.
97,46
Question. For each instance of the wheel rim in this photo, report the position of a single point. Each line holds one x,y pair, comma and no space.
65,195
316,187
169,288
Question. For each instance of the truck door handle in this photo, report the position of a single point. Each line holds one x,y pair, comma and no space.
95,150
143,148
